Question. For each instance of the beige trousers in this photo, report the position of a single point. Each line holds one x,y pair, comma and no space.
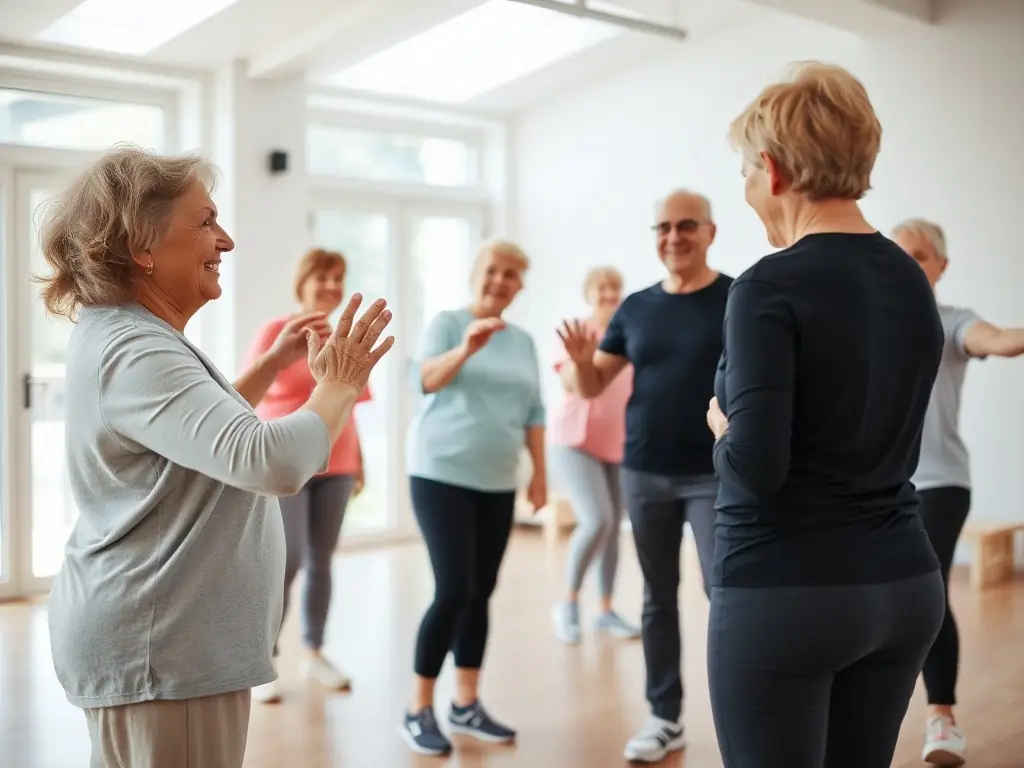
191,733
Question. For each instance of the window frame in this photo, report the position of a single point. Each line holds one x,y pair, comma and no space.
472,136
167,99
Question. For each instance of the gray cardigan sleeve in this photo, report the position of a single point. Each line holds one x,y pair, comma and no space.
155,395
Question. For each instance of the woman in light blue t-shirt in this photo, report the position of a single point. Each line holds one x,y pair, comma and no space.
943,477
481,379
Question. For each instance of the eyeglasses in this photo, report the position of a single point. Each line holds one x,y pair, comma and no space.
684,225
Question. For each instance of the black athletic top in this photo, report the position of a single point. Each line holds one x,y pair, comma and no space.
831,349
674,341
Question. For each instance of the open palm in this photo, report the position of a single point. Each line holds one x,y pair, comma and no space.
580,344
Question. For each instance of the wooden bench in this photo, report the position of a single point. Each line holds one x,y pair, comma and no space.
555,518
993,550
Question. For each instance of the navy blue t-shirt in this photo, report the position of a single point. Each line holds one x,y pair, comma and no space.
831,349
674,341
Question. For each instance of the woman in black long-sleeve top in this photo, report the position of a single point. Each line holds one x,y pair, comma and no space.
826,593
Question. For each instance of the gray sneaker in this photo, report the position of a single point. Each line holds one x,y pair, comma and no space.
566,617
616,626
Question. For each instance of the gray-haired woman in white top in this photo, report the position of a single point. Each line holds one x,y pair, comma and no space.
165,612
943,477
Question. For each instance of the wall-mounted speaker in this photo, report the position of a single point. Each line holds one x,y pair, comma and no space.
277,161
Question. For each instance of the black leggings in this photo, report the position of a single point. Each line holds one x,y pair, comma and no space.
943,512
817,677
466,532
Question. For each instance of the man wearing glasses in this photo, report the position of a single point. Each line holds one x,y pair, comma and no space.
671,333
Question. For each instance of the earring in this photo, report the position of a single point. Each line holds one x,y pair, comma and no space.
149,268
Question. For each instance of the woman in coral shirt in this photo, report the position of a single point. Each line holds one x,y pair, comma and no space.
313,516
588,438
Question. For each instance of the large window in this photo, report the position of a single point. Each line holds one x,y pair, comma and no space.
72,122
361,153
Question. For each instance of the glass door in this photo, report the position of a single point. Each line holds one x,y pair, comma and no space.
440,248
7,317
41,344
366,238
418,258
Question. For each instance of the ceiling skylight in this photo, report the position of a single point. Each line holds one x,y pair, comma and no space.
487,47
129,26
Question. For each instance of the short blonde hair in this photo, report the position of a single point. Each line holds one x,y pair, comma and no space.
314,262
597,274
819,126
118,206
505,249
930,231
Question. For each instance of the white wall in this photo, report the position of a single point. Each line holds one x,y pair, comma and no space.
589,167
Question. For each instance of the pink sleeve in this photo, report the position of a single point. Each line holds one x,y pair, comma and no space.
365,396
263,341
561,356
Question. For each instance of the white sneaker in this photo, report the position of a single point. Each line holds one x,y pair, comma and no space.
944,744
566,617
655,740
322,671
268,693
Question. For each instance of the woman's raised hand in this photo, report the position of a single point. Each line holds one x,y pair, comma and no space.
580,344
348,355
479,332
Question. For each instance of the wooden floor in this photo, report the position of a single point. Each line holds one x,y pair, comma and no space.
574,707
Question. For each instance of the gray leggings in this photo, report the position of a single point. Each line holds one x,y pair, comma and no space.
596,498
312,524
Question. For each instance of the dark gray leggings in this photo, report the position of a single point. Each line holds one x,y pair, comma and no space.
818,677
312,524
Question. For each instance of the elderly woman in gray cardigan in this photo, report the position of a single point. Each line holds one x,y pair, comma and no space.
165,612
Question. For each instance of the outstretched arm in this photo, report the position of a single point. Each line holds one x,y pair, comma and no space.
157,396
982,339
275,347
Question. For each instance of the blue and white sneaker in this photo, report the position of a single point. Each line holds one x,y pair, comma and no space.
474,721
423,735
616,626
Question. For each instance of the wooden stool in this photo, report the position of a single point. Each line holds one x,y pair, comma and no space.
992,552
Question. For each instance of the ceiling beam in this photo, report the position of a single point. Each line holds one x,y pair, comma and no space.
581,10
362,28
288,56
862,17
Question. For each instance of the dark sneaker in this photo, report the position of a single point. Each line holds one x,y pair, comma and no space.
474,721
423,735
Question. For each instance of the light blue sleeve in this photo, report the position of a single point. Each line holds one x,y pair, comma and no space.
537,416
440,336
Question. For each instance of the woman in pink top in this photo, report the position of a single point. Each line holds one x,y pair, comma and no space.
587,440
313,516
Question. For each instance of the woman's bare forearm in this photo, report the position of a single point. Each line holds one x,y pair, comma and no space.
333,401
438,372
